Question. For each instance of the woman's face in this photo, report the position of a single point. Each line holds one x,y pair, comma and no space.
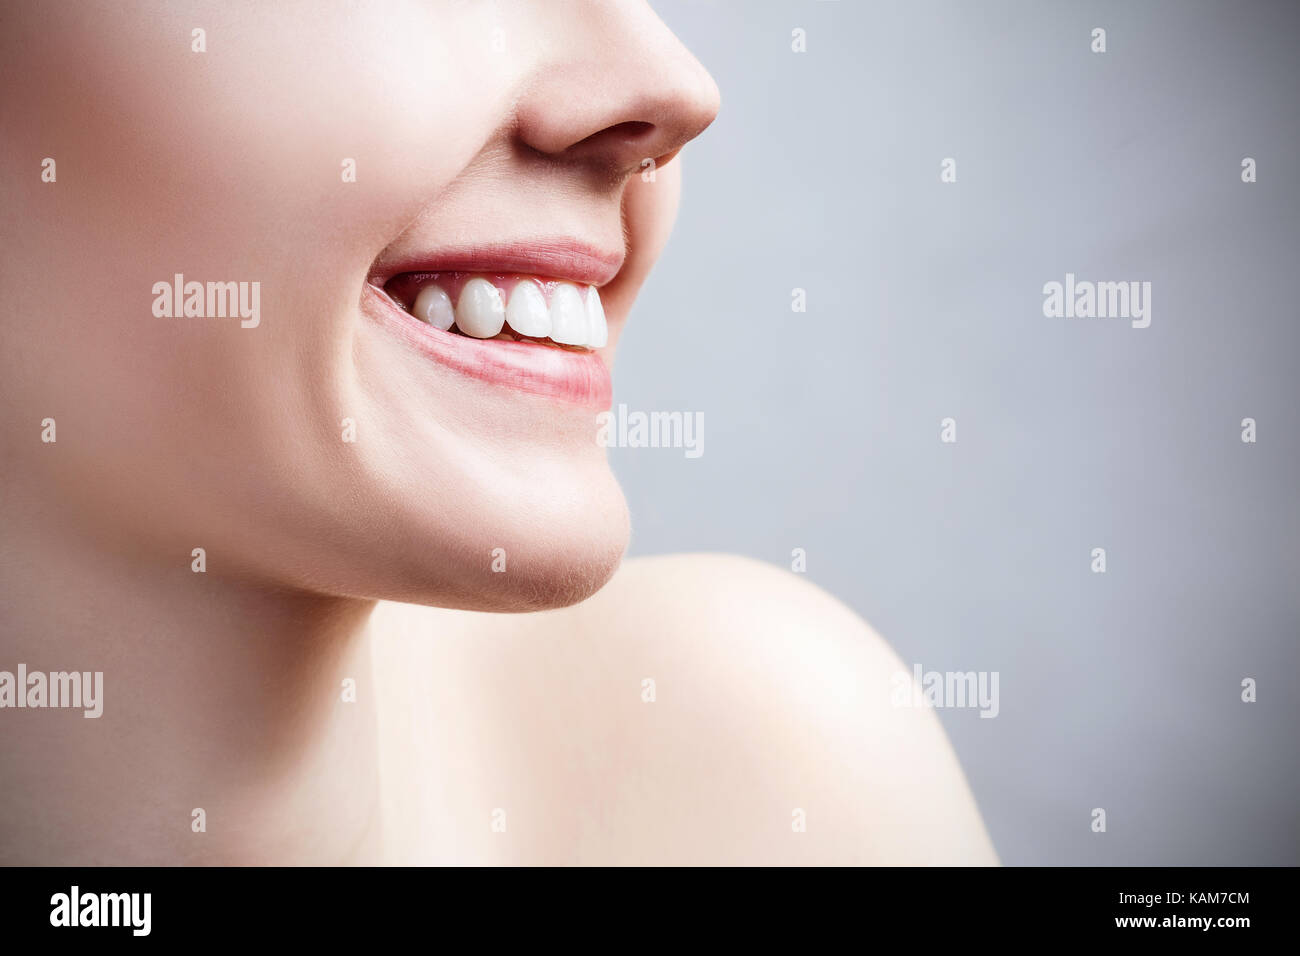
321,437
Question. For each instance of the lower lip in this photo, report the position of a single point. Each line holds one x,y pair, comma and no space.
581,378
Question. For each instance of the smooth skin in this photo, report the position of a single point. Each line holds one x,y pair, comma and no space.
282,692
769,697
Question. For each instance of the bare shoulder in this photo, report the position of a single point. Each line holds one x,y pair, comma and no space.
729,593
775,708
700,709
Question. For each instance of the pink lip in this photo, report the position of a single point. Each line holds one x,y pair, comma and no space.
577,377
581,378
565,259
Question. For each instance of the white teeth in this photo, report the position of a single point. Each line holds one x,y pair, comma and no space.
433,305
527,312
597,329
568,316
575,316
480,312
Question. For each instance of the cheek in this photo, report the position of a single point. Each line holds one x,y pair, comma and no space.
287,153
275,157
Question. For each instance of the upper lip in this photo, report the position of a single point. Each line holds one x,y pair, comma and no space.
556,258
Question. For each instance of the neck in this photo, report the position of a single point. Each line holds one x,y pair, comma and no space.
218,696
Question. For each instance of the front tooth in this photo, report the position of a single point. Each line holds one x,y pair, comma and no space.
598,329
433,305
568,316
527,313
480,312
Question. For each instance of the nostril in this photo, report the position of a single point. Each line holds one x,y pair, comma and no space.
631,129
628,132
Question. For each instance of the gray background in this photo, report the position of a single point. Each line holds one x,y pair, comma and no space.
1119,690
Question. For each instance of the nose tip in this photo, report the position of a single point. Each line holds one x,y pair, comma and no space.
669,121
635,95
708,103
694,108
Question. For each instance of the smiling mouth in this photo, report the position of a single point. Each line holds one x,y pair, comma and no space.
522,316
512,307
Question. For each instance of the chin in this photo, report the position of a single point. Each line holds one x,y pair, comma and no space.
555,561
547,542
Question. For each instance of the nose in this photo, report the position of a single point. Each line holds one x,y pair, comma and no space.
623,90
